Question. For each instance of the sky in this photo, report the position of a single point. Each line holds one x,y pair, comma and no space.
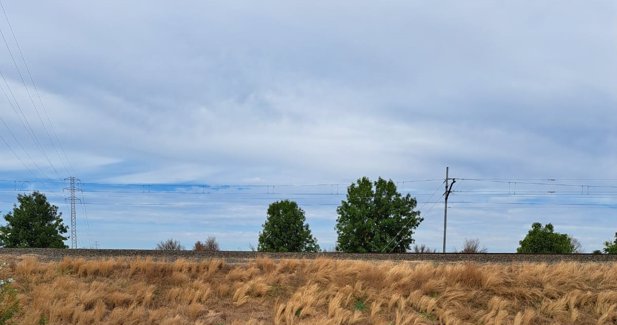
186,120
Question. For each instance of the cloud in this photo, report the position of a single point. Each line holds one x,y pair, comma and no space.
307,93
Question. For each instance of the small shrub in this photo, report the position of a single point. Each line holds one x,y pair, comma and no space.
577,247
199,246
276,290
428,315
9,305
360,305
472,246
611,248
209,246
169,245
423,249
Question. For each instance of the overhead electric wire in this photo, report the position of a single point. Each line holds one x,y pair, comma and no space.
23,59
397,243
26,152
16,155
548,179
476,205
83,204
326,190
262,191
19,111
547,182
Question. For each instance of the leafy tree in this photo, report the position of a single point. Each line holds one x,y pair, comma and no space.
611,248
375,217
34,223
169,245
285,230
544,240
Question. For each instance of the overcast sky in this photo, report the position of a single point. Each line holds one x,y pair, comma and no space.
304,93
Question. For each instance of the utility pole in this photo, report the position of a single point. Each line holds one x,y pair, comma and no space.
72,188
445,211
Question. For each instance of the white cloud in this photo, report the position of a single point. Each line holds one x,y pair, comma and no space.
304,93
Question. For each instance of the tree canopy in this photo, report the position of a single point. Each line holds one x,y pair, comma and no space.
543,239
375,217
285,230
34,223
611,248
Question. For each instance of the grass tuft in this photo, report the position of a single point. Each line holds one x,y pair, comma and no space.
322,291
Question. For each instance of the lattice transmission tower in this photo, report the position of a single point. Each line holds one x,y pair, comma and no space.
73,198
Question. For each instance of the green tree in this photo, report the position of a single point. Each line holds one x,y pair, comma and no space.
545,240
285,230
34,223
611,248
375,217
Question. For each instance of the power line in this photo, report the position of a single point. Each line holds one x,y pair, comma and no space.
19,111
261,190
32,161
547,179
23,59
543,182
387,247
15,154
121,199
83,204
222,186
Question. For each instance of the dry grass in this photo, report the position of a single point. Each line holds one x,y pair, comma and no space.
144,291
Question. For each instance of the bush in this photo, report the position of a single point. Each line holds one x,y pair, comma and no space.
212,245
9,305
169,245
577,247
209,246
611,248
472,246
199,246
423,249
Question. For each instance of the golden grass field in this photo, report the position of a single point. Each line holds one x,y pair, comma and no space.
322,291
